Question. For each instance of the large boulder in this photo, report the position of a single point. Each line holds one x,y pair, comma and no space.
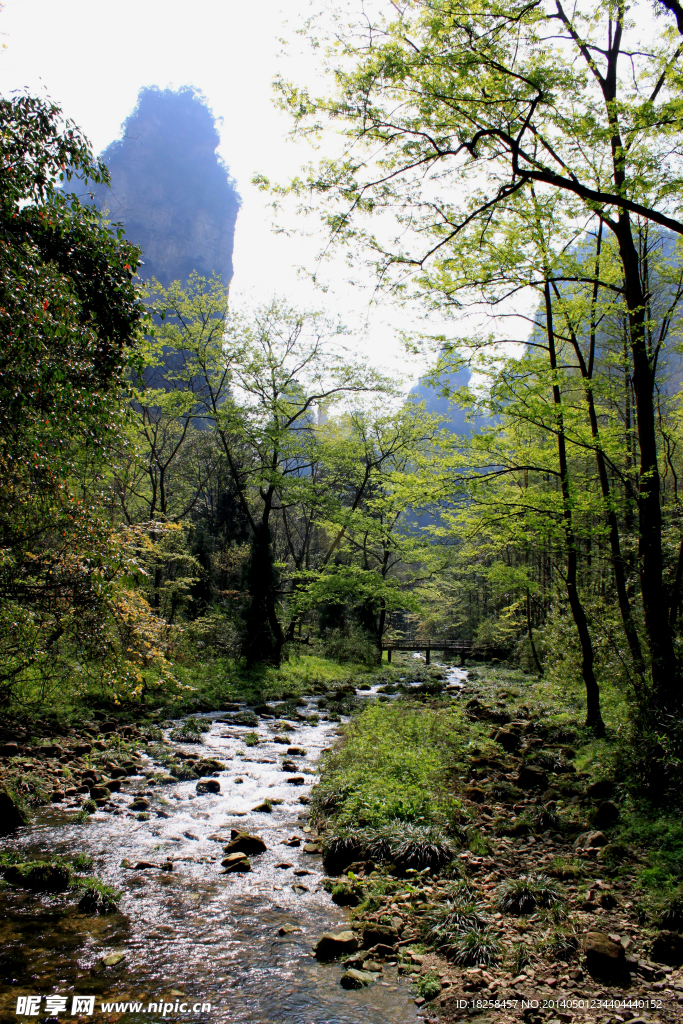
40,876
602,790
330,945
606,815
667,948
509,741
375,934
208,786
531,777
590,841
243,842
11,815
605,958
356,979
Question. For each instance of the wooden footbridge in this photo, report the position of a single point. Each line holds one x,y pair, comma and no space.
461,647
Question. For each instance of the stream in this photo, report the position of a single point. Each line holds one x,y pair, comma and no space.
196,935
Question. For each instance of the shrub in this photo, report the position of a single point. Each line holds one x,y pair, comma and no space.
354,645
562,945
523,895
89,806
519,957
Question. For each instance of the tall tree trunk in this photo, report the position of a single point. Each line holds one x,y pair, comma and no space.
665,679
593,714
264,636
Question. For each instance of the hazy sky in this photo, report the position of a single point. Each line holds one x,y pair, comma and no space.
93,58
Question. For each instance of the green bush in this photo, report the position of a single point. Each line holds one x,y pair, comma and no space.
354,645
475,947
82,862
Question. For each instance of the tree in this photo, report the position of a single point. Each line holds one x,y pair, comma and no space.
453,111
69,319
262,381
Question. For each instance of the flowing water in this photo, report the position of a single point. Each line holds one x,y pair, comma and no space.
196,935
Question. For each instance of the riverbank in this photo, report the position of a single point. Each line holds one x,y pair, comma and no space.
205,914
489,838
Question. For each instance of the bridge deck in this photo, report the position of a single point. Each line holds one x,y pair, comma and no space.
460,647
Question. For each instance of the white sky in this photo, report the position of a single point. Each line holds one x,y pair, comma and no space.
92,58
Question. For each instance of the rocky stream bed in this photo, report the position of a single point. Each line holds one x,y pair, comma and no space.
224,899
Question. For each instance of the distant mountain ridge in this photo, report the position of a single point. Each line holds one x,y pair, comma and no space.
170,189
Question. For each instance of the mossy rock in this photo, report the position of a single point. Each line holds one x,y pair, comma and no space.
39,876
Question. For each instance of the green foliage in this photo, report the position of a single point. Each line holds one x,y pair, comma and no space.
353,646
392,766
190,731
428,986
250,739
82,862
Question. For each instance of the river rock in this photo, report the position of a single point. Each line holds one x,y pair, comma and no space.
11,816
330,945
244,718
356,979
296,780
209,765
243,842
113,959
82,748
601,790
604,958
116,771
288,766
590,841
508,740
100,793
296,752
40,876
208,786
375,934
667,948
474,793
236,862
288,929
606,815
531,777
108,727
9,750
140,804
57,796
113,785
311,848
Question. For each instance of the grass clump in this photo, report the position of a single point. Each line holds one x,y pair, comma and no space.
250,739
519,957
98,897
82,862
561,945
190,731
406,845
473,947
523,895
